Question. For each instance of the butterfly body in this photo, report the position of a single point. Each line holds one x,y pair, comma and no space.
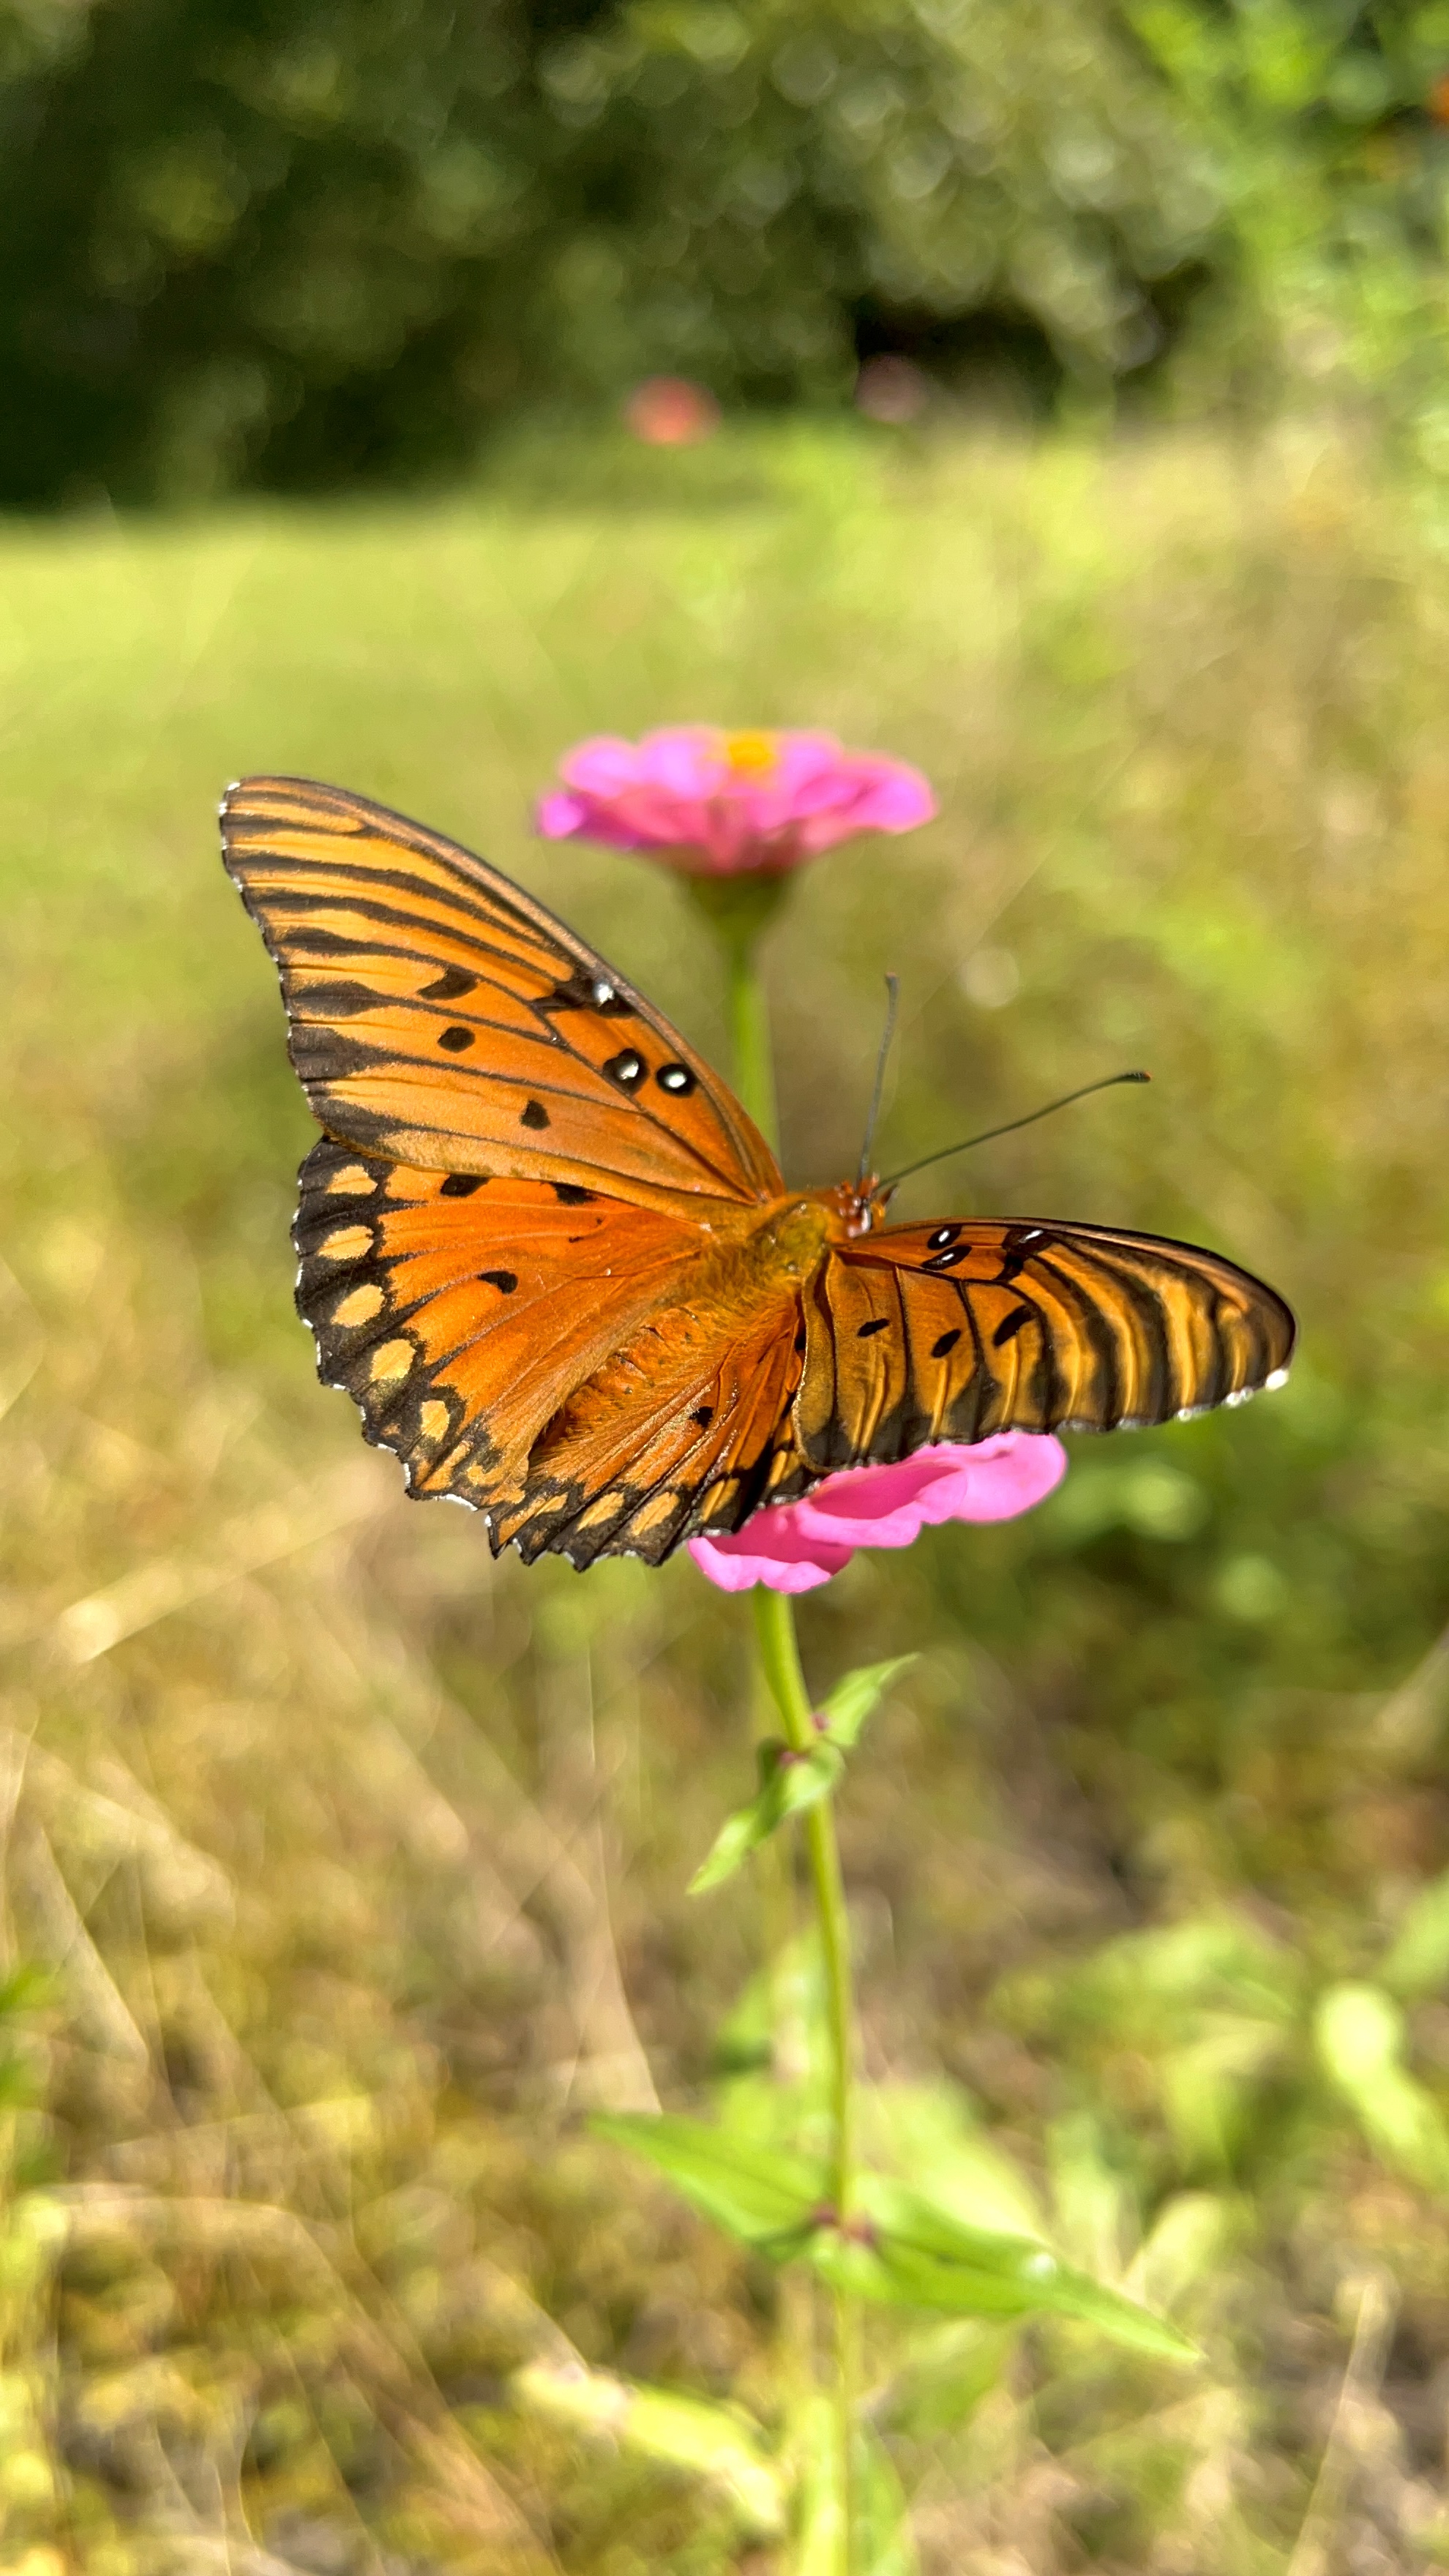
558,1269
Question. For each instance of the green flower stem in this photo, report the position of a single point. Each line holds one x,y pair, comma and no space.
749,1024
780,1656
738,909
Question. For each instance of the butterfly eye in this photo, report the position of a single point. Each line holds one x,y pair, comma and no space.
628,1069
676,1078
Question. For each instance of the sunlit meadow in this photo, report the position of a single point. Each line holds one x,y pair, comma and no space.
346,1870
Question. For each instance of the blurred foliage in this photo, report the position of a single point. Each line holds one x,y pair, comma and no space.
355,1866
1327,130
299,246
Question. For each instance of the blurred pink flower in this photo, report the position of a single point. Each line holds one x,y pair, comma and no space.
729,804
792,1547
670,411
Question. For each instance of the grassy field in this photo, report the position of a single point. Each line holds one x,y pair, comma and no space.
345,1870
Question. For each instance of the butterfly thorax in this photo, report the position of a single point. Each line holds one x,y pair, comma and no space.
783,1249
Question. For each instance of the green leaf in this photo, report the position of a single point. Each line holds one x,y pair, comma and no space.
1209,2088
927,2131
943,2381
720,2445
912,2254
776,2043
856,1694
905,2251
884,2546
1184,2247
1359,2033
766,2200
1418,1962
789,1783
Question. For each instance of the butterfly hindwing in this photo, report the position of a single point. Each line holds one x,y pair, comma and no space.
528,1347
659,1449
958,1330
459,1313
439,1017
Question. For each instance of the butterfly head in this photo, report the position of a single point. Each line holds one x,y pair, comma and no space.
860,1205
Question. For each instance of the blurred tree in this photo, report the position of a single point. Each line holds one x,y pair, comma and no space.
296,245
1326,125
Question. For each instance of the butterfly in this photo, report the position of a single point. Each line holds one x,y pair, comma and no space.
557,1267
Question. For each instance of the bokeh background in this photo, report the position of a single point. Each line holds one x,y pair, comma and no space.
1082,370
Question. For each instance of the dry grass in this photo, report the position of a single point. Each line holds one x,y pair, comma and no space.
353,1866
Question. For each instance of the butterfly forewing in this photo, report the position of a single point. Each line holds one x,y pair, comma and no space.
440,1017
957,1330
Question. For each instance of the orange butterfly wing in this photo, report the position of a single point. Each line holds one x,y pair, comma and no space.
957,1330
506,1237
439,1016
534,1349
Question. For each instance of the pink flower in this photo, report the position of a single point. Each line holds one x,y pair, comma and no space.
670,411
723,804
792,1547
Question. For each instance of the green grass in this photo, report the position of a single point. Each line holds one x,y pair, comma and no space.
354,1865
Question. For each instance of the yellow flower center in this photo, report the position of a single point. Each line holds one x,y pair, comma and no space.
750,755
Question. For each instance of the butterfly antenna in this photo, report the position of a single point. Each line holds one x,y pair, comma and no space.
1012,1125
893,990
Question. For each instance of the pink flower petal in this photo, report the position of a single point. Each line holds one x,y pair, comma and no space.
558,814
792,1547
783,1560
602,766
684,761
895,797
719,803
